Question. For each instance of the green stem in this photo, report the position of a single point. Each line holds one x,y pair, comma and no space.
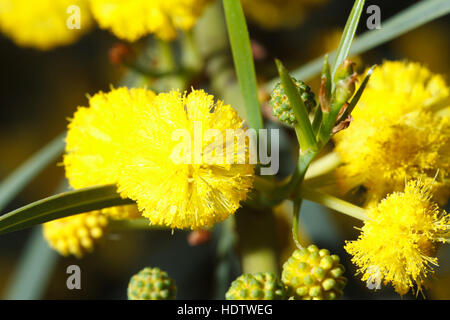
257,241
323,165
192,58
296,221
334,203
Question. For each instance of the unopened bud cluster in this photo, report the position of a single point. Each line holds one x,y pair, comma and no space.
344,79
257,286
151,284
311,273
280,102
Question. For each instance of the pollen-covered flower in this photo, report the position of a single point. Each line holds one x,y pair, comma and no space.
132,138
133,19
77,234
276,14
188,184
42,24
396,133
398,241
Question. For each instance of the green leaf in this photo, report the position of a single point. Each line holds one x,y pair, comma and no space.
61,205
16,181
347,36
304,129
243,61
407,20
357,95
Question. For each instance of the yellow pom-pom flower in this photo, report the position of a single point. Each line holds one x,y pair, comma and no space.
276,14
126,138
396,133
77,234
398,242
42,24
133,19
176,188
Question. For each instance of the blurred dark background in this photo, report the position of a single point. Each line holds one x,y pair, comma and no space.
40,90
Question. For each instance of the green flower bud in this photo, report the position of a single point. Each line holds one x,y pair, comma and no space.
256,286
344,79
280,102
151,284
344,71
311,273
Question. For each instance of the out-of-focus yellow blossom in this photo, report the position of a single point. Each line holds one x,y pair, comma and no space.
98,132
169,190
125,137
42,24
133,19
126,212
77,234
396,134
276,14
398,242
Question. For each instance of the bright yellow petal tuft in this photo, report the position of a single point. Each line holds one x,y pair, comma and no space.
396,134
175,193
125,138
42,24
398,242
133,19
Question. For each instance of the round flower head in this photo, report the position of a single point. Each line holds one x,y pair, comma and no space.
311,273
395,133
257,286
77,234
182,164
276,14
398,242
42,24
133,19
132,138
151,284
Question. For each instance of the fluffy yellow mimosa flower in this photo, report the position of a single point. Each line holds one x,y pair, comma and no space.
43,24
160,153
276,14
398,242
133,19
396,133
77,234
182,188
